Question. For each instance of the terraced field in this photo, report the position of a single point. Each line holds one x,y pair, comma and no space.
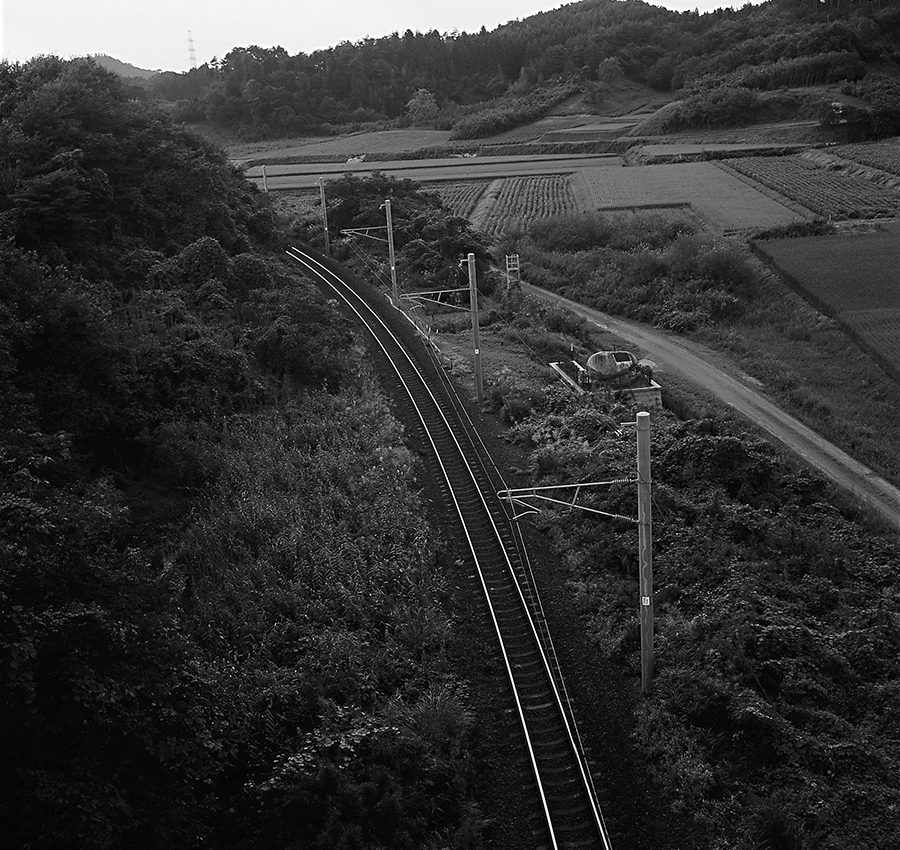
460,198
524,199
830,194
883,155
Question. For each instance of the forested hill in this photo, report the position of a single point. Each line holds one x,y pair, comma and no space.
265,92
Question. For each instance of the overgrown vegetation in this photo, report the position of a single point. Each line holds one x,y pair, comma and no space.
771,720
654,268
662,270
728,105
882,93
430,243
511,111
223,618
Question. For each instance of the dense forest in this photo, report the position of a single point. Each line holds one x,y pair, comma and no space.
191,653
260,92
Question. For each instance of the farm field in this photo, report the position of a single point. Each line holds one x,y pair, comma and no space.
851,277
460,198
524,199
883,155
720,198
831,194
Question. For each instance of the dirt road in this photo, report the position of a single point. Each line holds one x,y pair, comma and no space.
685,359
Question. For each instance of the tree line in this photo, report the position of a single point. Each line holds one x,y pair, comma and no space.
259,92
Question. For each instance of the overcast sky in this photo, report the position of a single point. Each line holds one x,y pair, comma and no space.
154,33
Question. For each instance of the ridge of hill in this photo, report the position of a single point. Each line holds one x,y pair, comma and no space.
122,69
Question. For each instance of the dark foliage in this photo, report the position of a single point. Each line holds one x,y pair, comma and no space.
429,243
652,268
184,429
770,719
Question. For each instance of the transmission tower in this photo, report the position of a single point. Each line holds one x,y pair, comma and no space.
191,52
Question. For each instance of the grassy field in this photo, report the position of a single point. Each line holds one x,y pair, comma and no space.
830,194
722,199
350,144
851,277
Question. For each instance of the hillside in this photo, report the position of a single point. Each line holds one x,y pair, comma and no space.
122,69
520,70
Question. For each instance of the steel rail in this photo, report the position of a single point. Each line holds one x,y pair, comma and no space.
552,671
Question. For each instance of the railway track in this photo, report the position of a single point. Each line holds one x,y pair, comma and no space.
570,816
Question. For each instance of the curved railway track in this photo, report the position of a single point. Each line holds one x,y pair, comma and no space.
570,814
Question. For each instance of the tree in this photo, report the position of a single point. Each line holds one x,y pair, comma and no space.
422,107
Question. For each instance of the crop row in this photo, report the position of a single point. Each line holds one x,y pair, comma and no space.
524,199
883,156
830,194
461,198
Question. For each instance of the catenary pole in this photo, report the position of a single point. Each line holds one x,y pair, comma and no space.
645,549
476,342
324,216
265,180
395,292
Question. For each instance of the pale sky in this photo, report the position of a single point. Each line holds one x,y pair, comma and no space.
153,34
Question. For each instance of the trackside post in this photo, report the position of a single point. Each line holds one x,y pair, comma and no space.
476,342
324,217
395,292
645,548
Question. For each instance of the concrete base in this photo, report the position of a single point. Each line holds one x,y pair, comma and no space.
646,397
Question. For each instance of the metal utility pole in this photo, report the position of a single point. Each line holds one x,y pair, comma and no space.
476,342
645,548
528,500
265,181
395,291
324,216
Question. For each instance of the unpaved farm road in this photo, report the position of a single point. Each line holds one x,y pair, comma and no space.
684,358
